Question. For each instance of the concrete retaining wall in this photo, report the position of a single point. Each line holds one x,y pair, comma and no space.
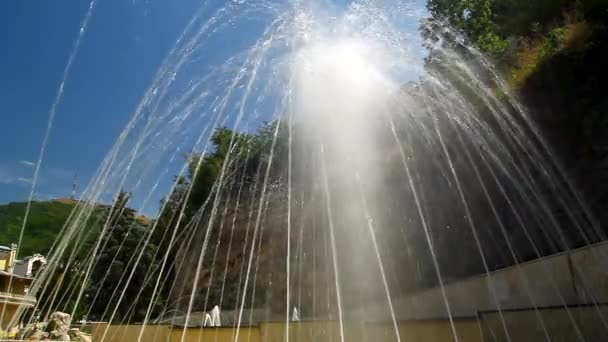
120,333
428,331
587,323
577,277
574,278
220,334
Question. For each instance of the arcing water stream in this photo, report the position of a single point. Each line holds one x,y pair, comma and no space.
389,168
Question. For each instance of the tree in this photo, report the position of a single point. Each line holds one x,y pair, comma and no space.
126,240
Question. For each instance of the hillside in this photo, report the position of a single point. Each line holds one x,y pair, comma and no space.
44,223
553,54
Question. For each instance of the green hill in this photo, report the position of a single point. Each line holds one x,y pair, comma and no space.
43,225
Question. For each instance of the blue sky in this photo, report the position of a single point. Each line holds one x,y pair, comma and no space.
123,47
125,44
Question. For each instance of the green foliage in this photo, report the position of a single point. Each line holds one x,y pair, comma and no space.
491,23
473,17
46,220
240,155
556,58
43,225
125,240
552,42
204,170
492,43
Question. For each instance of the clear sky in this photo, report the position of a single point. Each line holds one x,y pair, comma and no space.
124,45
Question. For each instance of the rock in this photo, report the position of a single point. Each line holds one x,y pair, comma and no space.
38,335
32,332
58,326
77,335
57,329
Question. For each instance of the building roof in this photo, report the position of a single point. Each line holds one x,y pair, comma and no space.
18,276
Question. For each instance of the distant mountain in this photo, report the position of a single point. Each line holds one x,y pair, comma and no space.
43,225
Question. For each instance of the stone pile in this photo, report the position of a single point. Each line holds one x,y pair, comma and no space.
56,329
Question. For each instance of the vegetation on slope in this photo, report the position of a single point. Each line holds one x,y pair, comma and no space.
126,230
241,155
43,225
553,53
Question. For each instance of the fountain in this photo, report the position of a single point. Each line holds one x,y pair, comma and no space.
215,317
358,177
